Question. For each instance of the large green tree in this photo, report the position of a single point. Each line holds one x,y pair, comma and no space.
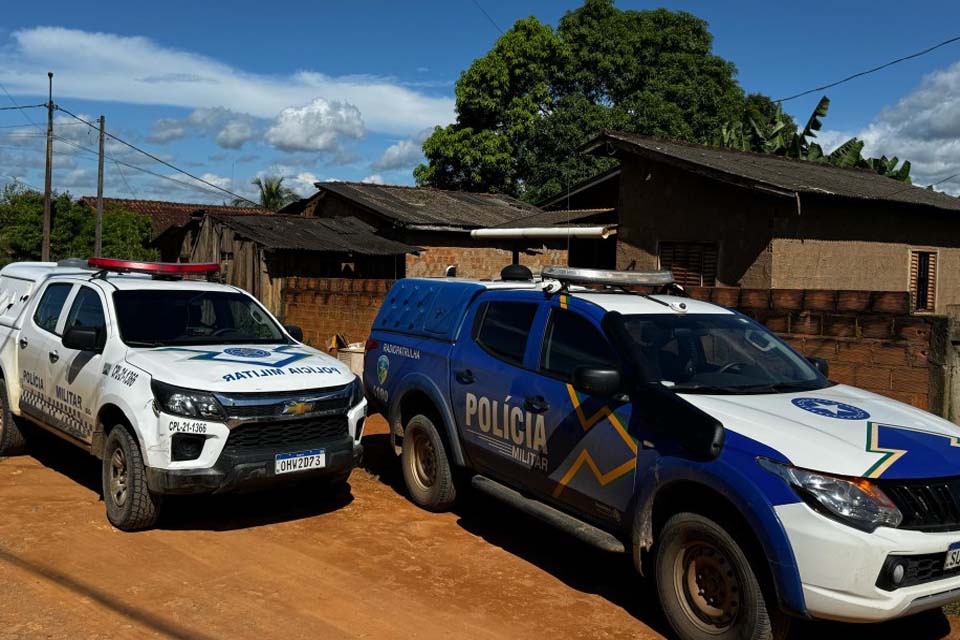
125,234
525,107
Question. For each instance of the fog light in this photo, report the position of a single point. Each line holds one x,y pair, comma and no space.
896,575
186,446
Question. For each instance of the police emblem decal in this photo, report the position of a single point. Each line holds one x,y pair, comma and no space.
246,352
831,409
383,367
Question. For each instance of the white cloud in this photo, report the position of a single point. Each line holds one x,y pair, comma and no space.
922,127
316,126
231,130
132,69
374,179
402,155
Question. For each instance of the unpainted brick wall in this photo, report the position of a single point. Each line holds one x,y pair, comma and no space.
324,307
478,262
869,338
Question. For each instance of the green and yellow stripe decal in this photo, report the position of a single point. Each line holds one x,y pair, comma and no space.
584,458
890,456
564,300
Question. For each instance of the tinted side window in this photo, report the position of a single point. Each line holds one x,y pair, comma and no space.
87,311
504,328
570,341
50,306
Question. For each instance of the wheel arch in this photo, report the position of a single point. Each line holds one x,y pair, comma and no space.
109,416
733,501
420,394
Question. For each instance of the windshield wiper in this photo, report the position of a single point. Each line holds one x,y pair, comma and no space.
777,387
143,343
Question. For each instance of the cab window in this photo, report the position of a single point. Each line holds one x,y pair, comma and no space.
50,306
504,327
87,311
571,341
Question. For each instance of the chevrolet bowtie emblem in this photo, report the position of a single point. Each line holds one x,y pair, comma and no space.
294,408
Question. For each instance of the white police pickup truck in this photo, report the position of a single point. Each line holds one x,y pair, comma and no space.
177,385
734,471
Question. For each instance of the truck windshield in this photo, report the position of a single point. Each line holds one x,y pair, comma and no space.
718,353
158,318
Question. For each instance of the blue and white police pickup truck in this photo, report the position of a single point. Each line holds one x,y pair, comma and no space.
177,385
751,487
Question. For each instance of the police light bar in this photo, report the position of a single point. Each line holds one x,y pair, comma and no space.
169,269
571,275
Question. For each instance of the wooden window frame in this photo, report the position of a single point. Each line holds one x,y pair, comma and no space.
709,256
915,267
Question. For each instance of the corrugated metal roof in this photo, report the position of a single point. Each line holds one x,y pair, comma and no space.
339,235
564,218
424,206
762,170
164,215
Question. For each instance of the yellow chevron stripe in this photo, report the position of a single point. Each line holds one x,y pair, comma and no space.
603,478
890,456
601,413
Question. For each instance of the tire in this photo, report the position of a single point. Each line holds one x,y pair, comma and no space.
426,467
12,440
130,505
707,587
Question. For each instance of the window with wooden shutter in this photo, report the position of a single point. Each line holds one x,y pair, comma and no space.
693,264
923,280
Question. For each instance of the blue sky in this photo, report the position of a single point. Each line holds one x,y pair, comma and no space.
319,90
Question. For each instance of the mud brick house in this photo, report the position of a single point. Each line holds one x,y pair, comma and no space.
440,222
718,217
269,254
174,223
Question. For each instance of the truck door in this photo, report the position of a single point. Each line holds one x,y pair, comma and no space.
77,374
490,379
592,456
39,350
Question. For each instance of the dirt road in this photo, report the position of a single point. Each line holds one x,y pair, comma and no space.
291,564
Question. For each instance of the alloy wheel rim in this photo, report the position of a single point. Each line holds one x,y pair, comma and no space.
118,477
708,587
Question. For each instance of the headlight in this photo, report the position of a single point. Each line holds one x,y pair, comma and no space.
356,392
853,501
186,402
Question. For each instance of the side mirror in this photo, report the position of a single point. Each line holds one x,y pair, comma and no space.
596,381
295,332
82,339
820,365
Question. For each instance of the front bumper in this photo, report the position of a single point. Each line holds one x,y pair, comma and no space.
839,567
252,470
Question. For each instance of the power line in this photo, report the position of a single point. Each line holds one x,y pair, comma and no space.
19,108
929,186
484,12
868,71
157,159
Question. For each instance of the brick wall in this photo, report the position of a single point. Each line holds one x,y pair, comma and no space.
478,262
869,338
323,307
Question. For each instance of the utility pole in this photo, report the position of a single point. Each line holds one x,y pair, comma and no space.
48,179
98,245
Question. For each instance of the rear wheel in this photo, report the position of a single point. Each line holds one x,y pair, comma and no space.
130,505
426,468
12,441
707,587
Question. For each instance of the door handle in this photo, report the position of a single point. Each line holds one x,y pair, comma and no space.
23,343
536,404
54,356
465,377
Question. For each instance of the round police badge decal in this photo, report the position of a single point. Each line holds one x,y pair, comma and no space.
831,409
383,367
245,352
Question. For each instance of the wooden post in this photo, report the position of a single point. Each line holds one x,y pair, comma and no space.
48,178
98,244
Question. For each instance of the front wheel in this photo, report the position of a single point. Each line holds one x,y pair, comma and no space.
426,468
707,587
12,441
130,505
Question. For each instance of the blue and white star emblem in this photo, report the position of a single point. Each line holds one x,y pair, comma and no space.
831,409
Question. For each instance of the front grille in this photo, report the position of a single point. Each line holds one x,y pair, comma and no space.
927,505
285,436
273,406
276,409
919,569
